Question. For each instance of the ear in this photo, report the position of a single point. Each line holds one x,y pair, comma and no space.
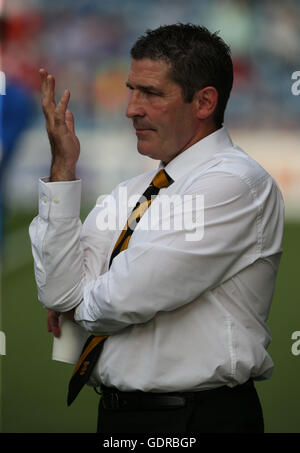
206,102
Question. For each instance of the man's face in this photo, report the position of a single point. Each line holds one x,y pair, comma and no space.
165,125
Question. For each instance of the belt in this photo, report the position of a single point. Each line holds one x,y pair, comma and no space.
114,399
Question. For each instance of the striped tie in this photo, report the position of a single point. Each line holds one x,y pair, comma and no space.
94,344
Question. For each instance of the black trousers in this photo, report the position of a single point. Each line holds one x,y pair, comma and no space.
222,410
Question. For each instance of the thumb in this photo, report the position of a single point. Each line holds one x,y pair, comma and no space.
69,118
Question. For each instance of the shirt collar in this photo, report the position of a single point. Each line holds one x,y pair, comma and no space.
197,154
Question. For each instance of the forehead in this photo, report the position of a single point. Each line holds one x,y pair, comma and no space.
149,72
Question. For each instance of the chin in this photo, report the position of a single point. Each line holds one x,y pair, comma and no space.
147,151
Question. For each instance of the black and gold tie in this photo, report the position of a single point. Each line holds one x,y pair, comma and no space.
94,344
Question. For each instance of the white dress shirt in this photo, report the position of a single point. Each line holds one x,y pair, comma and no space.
185,308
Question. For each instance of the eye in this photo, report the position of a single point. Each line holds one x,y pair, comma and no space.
151,93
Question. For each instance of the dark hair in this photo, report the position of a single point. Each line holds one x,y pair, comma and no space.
198,59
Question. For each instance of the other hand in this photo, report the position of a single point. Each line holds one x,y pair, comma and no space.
53,321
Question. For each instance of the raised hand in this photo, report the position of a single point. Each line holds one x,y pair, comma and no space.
65,146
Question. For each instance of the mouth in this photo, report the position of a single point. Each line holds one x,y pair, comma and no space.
139,126
143,130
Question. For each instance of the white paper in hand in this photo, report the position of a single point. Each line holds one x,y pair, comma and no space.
68,346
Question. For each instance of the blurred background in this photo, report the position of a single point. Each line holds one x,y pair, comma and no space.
86,45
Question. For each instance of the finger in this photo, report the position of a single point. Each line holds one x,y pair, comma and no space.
60,111
49,320
69,118
47,84
48,323
43,74
47,93
50,89
53,323
63,103
56,331
50,315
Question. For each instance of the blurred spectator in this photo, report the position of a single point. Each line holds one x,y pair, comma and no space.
16,105
77,39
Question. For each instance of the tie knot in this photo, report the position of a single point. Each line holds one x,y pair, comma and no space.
161,179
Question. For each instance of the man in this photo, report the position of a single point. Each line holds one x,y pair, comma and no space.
184,308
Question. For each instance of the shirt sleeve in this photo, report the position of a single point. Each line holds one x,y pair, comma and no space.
66,254
164,270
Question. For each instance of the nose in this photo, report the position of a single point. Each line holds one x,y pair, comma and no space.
135,107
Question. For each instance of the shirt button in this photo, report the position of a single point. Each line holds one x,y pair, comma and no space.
44,199
56,200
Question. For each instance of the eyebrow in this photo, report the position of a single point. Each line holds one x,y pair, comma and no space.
149,88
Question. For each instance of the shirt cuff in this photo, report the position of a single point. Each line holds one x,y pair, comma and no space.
59,199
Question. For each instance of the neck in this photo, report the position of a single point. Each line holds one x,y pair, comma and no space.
204,132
